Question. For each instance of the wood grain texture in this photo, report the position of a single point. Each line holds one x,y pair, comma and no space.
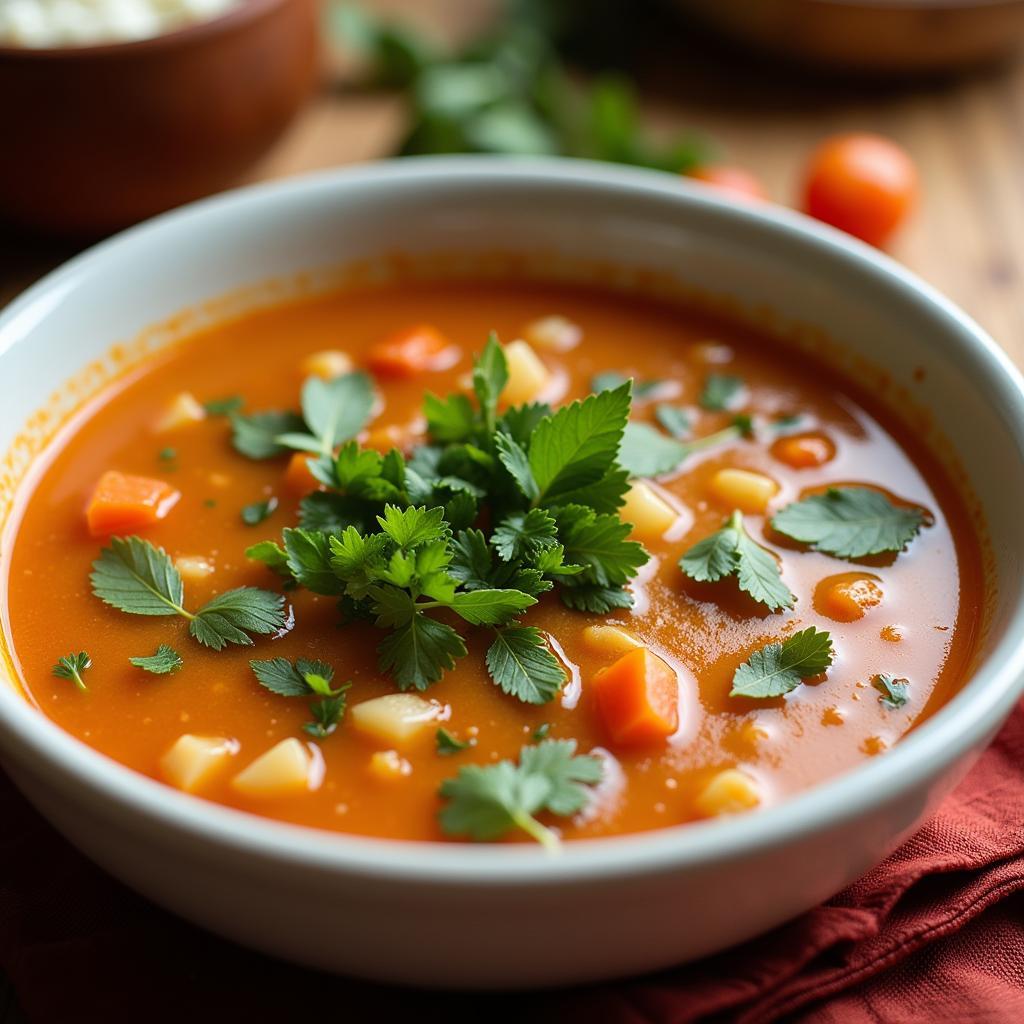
966,135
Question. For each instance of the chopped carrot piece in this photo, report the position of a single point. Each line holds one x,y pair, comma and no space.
804,451
414,350
846,597
297,477
123,503
638,699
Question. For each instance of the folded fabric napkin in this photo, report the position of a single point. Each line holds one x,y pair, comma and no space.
936,932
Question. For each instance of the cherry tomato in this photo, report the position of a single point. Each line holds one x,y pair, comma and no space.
863,184
734,180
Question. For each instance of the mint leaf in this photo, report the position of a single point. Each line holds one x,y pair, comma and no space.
721,392
230,617
893,692
731,551
849,522
487,802
163,661
521,663
577,445
776,669
255,436
490,607
137,577
73,666
420,652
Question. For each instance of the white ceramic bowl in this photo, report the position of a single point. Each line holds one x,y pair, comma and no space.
482,916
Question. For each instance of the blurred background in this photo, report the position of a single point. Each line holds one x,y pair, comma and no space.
116,109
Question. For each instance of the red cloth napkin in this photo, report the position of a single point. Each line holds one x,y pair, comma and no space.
934,933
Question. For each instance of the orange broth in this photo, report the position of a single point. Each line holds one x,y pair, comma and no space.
924,628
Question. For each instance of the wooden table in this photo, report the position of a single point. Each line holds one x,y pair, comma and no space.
966,134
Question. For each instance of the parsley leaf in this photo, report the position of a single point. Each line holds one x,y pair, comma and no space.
73,666
779,667
272,555
490,607
333,411
600,544
448,744
849,522
326,715
230,617
254,514
611,379
675,420
893,693
731,551
521,663
163,661
721,392
647,452
303,679
256,436
420,652
490,375
486,802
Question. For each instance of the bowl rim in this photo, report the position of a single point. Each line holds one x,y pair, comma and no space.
34,742
241,13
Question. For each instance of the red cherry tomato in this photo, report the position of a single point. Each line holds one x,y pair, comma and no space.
734,180
863,184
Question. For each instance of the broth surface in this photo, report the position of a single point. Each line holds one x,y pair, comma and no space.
924,628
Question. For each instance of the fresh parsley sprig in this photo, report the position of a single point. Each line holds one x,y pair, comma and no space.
487,802
73,667
777,668
850,522
731,551
162,662
306,678
139,578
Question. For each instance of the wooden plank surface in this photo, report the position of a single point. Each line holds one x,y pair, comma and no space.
966,134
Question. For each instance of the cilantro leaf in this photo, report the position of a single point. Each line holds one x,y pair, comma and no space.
163,661
849,522
254,514
230,617
420,652
577,444
490,607
731,551
448,744
486,802
779,667
893,692
521,663
721,392
137,577
73,666
255,436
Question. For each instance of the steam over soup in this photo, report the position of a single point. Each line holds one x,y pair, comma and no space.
355,563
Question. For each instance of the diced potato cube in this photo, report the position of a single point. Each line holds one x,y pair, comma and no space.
743,489
193,760
194,567
284,769
328,364
389,765
848,596
553,334
527,375
610,640
182,411
729,792
650,514
395,718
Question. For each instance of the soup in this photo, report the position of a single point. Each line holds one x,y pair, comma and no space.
351,562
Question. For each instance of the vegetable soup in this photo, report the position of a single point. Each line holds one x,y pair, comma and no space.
356,563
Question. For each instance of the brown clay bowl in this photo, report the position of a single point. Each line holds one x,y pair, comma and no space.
99,137
886,36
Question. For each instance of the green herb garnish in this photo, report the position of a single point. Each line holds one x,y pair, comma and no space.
447,744
163,661
648,452
138,577
393,538
224,406
849,522
306,678
541,732
73,666
612,379
254,514
731,551
674,420
776,669
893,692
721,392
167,454
487,802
